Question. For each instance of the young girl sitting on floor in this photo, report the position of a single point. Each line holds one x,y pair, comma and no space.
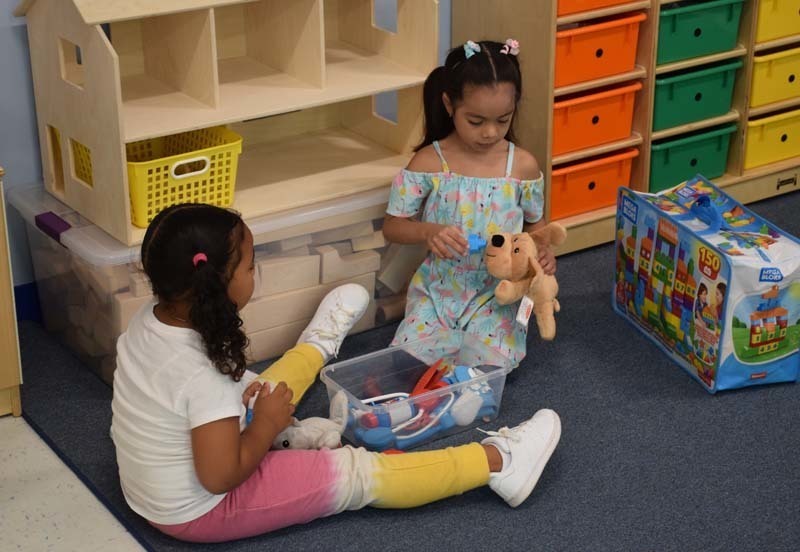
185,462
471,180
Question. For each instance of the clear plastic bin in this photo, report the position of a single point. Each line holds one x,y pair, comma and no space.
385,412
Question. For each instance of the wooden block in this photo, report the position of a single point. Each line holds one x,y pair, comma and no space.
343,247
108,280
334,267
390,308
108,364
104,334
275,341
282,274
367,322
375,241
139,285
344,233
276,310
77,316
282,246
124,306
399,264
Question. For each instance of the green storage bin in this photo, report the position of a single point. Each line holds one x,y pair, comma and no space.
675,160
694,94
692,29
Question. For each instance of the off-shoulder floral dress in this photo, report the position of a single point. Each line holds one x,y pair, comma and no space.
459,293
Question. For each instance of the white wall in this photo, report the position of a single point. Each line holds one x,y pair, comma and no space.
19,145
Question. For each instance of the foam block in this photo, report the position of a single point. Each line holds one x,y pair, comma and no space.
334,267
343,233
281,274
374,241
292,306
399,264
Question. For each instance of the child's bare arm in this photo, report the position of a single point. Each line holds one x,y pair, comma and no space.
444,241
223,457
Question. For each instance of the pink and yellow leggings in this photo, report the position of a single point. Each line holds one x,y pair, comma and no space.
297,486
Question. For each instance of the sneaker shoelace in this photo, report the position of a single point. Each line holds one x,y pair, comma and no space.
504,432
337,320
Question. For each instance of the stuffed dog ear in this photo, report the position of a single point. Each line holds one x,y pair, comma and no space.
552,234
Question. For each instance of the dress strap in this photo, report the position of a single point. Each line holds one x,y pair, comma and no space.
438,149
510,162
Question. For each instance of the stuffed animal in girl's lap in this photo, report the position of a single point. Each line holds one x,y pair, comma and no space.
513,259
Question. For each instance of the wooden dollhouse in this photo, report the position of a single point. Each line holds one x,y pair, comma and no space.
298,80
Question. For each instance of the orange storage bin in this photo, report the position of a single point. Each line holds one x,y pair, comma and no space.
589,185
593,119
566,7
597,50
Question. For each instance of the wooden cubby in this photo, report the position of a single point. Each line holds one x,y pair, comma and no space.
297,79
535,24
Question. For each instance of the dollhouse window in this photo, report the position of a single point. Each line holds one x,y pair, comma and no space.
384,105
384,15
71,62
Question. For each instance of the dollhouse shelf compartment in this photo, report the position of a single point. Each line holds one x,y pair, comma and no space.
249,89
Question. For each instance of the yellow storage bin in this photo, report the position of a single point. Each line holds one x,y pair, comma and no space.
192,167
772,139
776,77
777,18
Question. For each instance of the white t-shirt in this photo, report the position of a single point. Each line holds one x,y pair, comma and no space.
164,386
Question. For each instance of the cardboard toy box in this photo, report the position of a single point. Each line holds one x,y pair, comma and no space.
715,285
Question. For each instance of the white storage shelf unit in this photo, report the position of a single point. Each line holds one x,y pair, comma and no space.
297,78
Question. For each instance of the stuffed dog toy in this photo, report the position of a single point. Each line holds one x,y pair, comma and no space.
513,259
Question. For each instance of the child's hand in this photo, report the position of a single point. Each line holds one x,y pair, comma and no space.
548,260
250,392
274,407
447,241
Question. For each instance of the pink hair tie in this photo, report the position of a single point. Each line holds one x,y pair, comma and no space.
199,257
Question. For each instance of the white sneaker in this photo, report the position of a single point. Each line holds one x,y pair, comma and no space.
335,316
525,450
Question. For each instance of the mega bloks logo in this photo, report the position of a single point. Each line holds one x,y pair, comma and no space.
630,209
770,274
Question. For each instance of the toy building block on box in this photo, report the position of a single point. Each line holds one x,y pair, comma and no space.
404,396
714,284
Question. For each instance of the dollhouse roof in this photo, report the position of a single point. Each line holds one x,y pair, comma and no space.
107,11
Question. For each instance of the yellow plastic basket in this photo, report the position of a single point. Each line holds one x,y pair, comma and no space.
192,167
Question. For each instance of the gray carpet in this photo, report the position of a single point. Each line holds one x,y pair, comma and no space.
648,460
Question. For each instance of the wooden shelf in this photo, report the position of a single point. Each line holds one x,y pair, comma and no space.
280,176
732,115
634,140
777,43
603,12
638,73
777,106
249,90
737,52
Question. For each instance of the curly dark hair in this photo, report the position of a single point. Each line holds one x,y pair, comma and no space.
172,240
486,68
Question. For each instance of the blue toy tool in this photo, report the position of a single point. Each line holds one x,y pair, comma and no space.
476,243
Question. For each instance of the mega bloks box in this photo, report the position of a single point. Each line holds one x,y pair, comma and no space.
714,284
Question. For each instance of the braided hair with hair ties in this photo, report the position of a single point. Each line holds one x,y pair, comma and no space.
189,254
489,64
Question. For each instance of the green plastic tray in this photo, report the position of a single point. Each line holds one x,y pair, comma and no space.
675,160
694,95
692,29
